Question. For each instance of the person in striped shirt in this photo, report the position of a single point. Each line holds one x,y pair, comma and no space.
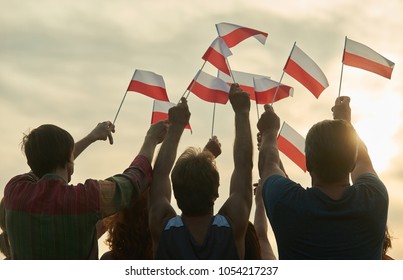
48,218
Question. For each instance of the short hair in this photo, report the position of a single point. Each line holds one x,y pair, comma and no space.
331,150
195,182
47,148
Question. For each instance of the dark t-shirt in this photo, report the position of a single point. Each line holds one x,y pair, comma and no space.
177,243
310,225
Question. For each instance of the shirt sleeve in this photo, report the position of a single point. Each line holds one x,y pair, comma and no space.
274,189
118,191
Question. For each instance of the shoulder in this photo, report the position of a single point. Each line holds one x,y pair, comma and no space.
277,184
370,182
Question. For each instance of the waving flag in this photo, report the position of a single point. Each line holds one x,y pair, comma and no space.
149,84
233,34
209,88
302,68
265,90
292,144
245,81
360,56
217,55
160,111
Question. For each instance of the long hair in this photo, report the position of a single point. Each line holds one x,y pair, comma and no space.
129,236
195,182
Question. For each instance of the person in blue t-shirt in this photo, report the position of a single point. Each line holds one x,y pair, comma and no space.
333,219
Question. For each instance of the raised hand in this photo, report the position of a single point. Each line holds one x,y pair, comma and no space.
239,99
341,109
213,146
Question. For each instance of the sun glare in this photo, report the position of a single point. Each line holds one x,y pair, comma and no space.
377,120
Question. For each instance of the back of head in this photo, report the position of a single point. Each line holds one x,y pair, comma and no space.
331,150
195,182
129,236
47,148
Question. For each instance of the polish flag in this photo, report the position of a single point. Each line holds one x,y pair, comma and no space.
233,34
217,55
292,144
148,83
209,88
245,81
265,90
160,112
302,68
361,56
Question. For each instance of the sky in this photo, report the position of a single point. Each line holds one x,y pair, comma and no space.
69,63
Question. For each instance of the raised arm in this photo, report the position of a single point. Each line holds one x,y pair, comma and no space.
160,208
269,158
341,110
102,131
261,225
237,206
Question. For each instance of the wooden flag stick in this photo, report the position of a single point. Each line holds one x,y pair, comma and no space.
120,106
342,65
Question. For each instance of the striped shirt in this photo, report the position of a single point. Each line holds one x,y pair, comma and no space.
49,219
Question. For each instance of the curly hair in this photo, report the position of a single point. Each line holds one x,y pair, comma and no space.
129,236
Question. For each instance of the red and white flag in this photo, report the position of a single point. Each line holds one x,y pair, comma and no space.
265,90
245,81
360,56
292,144
148,83
233,34
160,111
217,55
302,68
209,88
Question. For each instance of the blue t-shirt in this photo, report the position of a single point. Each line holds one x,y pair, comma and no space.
177,243
310,225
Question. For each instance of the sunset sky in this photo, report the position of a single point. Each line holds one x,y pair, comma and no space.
69,63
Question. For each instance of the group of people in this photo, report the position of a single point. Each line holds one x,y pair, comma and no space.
45,217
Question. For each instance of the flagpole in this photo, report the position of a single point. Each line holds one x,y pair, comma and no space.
152,112
342,65
257,108
120,106
279,83
194,79
275,94
212,125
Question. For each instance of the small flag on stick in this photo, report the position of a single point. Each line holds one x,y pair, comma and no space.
209,88
360,56
217,55
149,84
302,68
233,34
160,112
292,144
268,91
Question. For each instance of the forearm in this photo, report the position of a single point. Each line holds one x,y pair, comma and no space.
148,148
165,161
243,147
363,163
83,144
269,158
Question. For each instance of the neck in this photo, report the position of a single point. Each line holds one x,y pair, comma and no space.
334,190
63,173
